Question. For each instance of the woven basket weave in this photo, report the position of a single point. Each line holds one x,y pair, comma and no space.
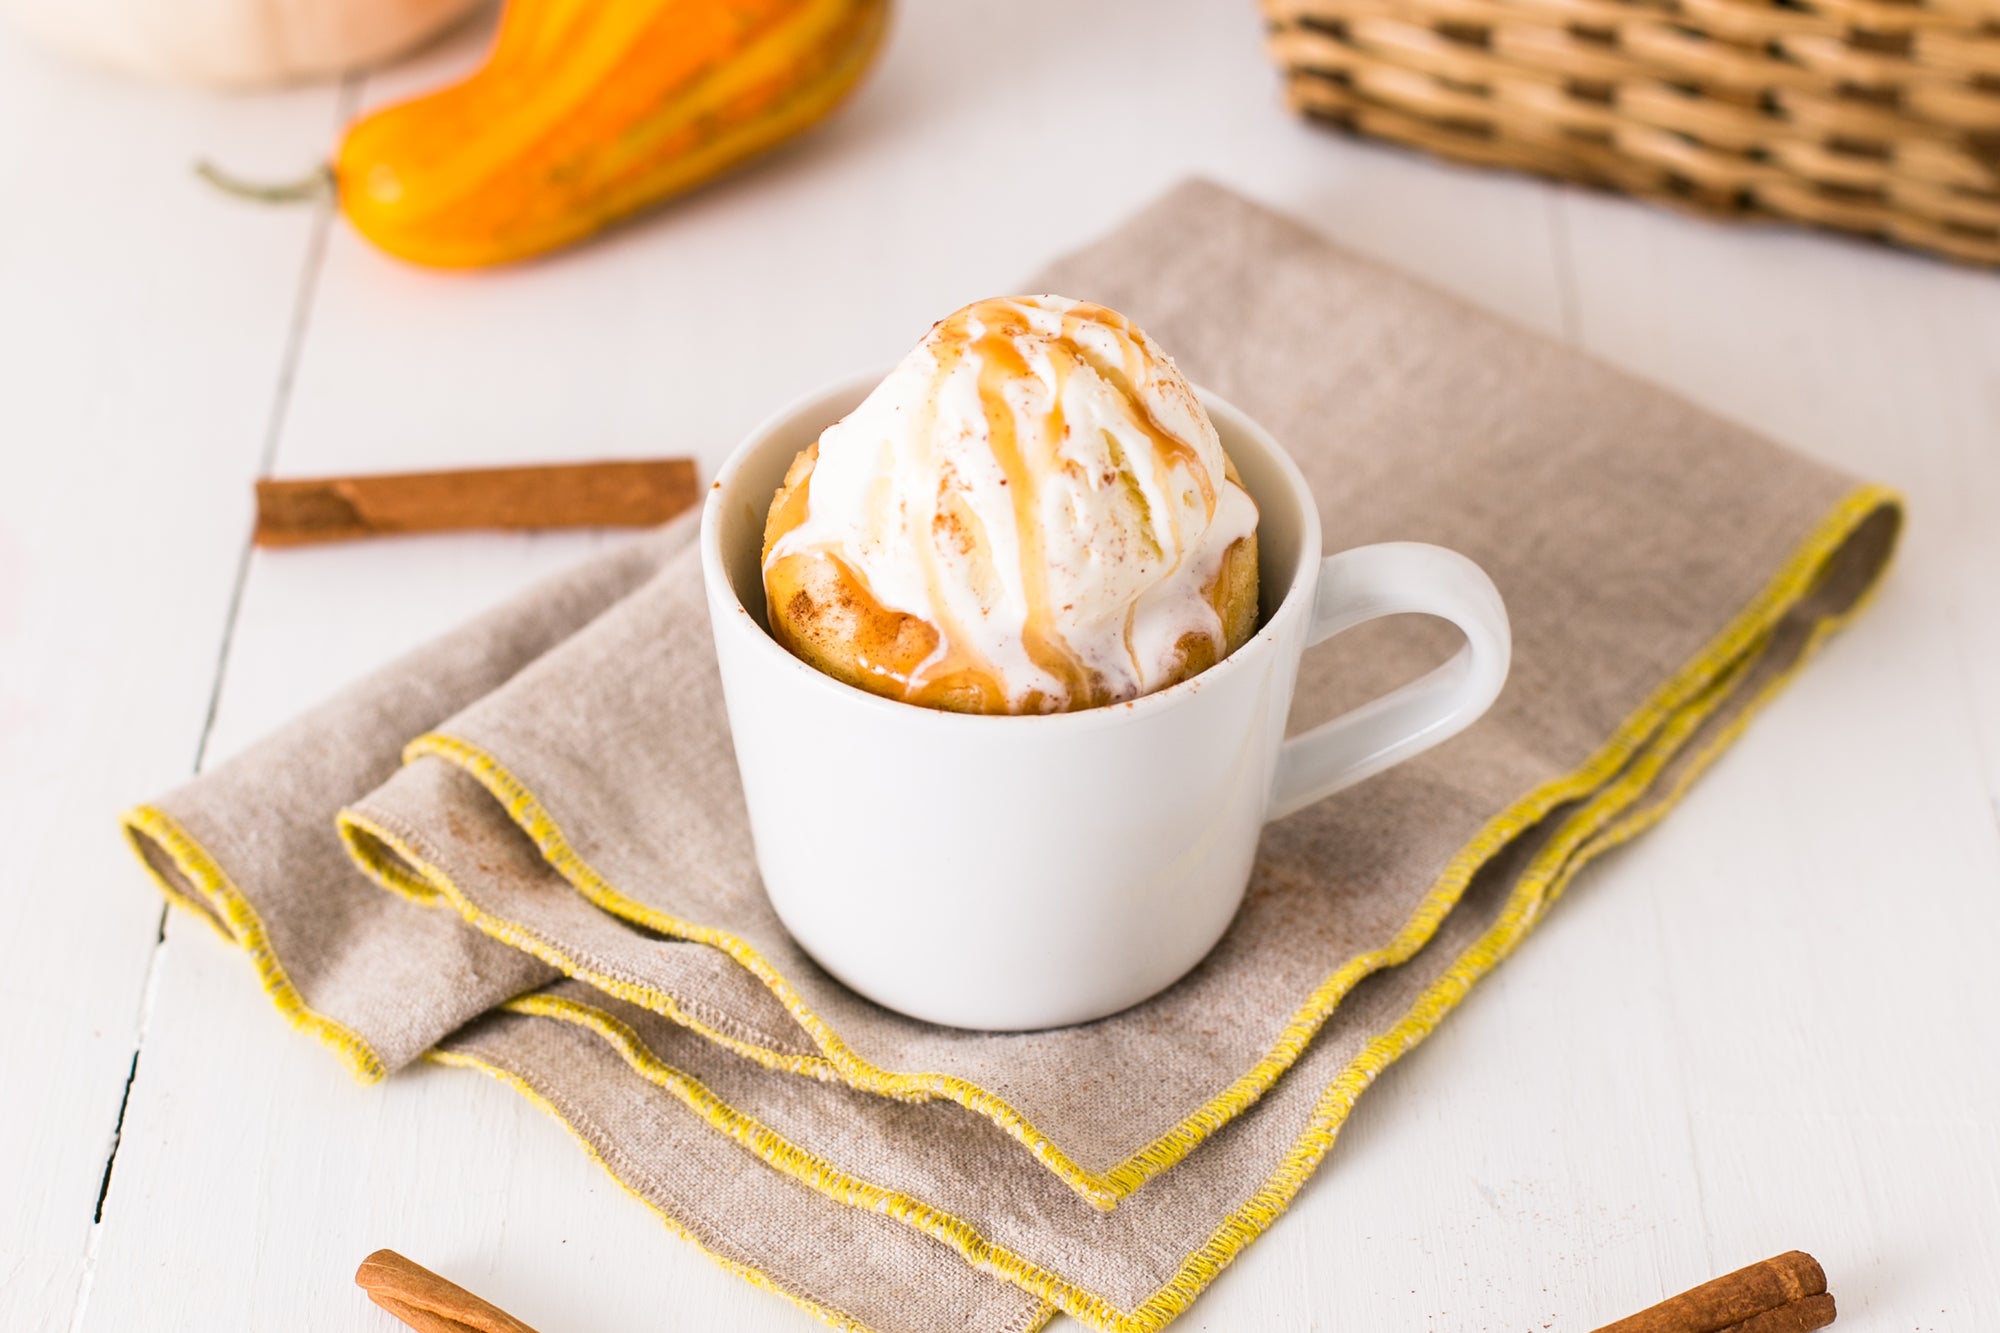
1871,116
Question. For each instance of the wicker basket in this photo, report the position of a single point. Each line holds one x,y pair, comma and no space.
1871,116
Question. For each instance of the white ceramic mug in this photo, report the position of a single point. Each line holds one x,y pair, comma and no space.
1026,872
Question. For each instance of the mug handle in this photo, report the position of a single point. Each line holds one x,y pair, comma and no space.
1389,579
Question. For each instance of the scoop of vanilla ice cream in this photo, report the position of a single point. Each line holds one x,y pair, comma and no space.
1039,483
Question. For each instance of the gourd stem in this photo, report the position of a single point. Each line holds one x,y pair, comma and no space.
318,185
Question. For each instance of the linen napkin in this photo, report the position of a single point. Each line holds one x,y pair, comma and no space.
548,798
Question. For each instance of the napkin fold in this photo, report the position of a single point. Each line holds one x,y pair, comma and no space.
523,847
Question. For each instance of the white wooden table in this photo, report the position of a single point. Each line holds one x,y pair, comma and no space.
1806,1048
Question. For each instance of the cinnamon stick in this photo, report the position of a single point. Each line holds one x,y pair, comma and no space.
427,1302
1779,1295
634,493
1798,1317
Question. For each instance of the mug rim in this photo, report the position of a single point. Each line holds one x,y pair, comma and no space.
720,588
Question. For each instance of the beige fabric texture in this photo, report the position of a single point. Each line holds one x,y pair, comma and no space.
565,839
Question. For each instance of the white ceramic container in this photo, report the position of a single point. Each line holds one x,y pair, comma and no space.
1027,872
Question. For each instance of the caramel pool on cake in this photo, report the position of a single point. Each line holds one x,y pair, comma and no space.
1031,514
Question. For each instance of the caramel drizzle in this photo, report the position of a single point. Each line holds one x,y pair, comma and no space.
1000,363
954,670
1004,326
